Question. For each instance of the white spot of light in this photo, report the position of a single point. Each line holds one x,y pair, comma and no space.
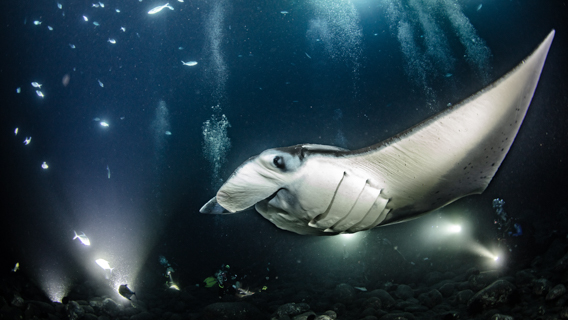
455,228
54,284
347,236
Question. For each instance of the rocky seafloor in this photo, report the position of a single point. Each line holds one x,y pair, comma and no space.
534,290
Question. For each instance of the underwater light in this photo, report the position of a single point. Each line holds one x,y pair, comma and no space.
54,283
456,228
347,235
483,251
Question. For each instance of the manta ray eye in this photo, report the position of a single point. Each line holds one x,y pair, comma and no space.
279,162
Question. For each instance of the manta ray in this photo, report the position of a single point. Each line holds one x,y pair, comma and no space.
325,190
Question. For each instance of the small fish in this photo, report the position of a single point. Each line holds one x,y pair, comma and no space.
479,7
447,75
160,8
96,23
96,5
307,55
125,291
111,40
108,171
18,90
123,29
241,293
59,5
44,165
27,140
284,12
104,264
37,22
85,18
16,267
117,10
36,85
180,48
104,124
82,237
361,288
39,94
180,0
102,4
190,63
168,133
100,83
16,132
49,28
72,46
97,119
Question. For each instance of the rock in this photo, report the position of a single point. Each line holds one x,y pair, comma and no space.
43,306
386,300
480,281
372,302
90,316
180,306
292,309
463,286
494,295
110,307
524,277
472,271
368,312
564,313
416,308
556,292
74,310
32,311
328,315
541,286
450,315
431,298
403,304
339,308
343,293
404,292
305,316
143,316
398,316
464,296
18,301
498,316
231,310
88,309
433,277
447,289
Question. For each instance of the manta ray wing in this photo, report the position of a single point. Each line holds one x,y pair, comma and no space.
458,151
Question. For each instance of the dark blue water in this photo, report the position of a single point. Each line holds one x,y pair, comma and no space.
338,72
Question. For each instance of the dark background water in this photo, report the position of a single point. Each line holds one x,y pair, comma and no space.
356,94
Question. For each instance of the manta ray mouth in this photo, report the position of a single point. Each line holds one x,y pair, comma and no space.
222,196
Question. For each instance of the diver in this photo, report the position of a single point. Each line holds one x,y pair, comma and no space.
226,279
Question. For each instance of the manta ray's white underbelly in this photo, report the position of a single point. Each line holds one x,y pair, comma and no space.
346,202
